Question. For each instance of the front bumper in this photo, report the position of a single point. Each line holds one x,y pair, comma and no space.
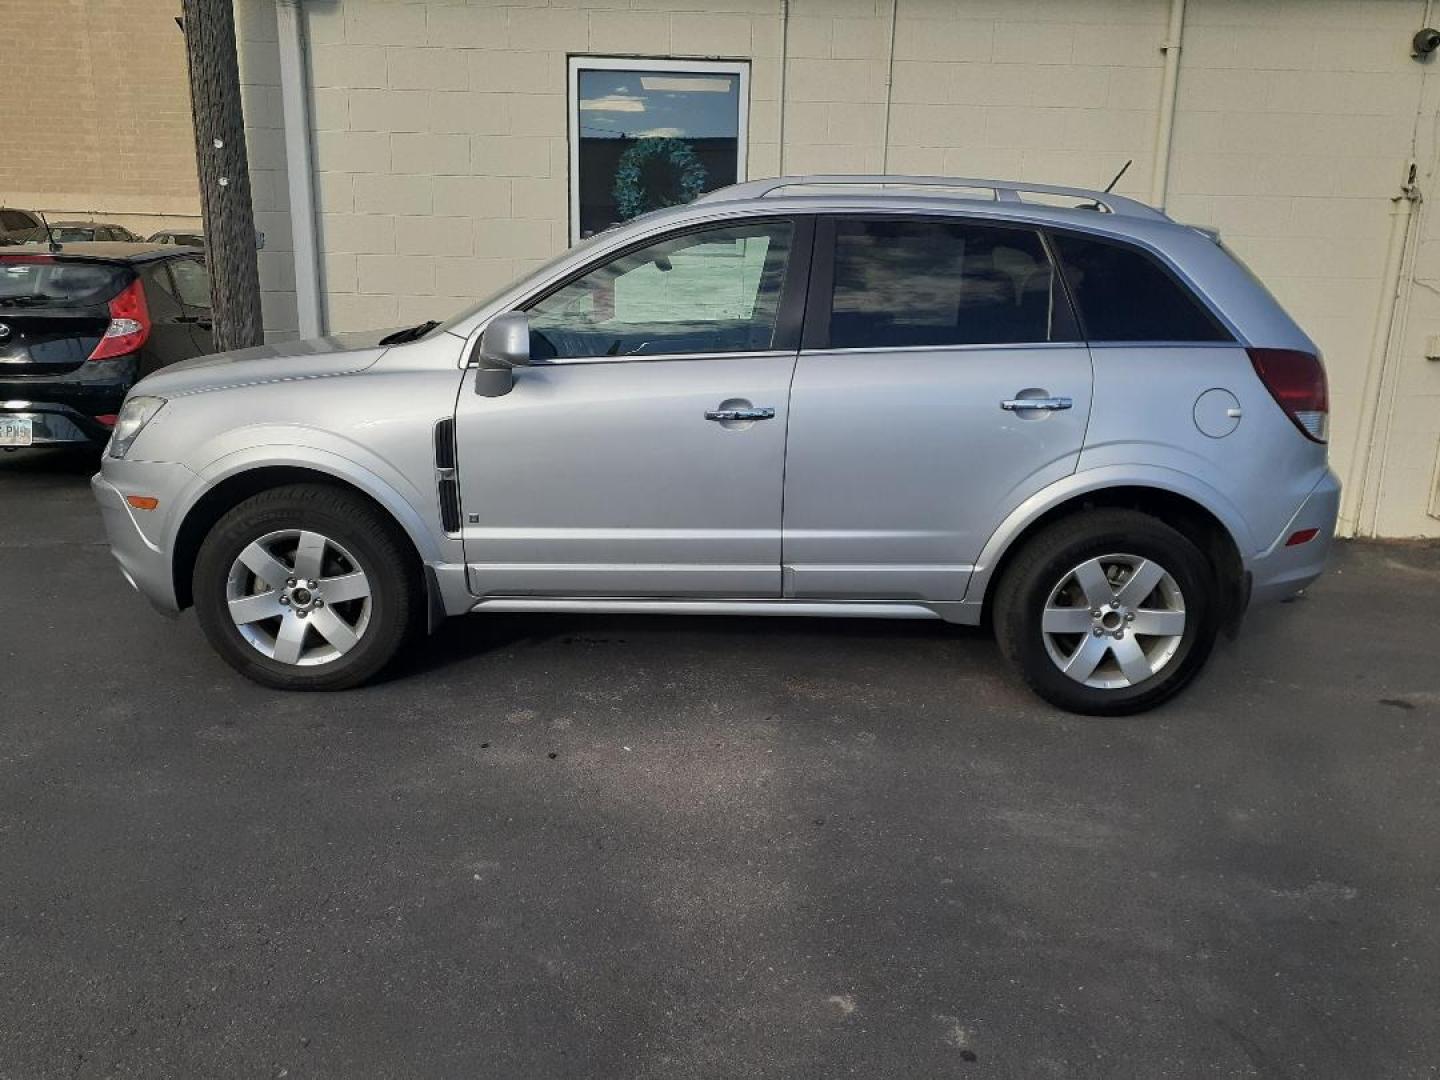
1282,571
140,539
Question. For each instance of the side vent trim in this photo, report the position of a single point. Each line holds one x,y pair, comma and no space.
445,444
447,488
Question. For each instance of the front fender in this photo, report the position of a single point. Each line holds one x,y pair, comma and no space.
1090,480
333,456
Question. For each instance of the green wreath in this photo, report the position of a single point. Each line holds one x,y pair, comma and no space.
631,198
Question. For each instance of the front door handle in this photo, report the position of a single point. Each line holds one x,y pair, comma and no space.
1039,404
728,415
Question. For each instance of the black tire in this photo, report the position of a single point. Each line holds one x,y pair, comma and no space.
368,537
1047,560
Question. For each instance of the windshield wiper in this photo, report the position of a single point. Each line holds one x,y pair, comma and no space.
410,333
23,301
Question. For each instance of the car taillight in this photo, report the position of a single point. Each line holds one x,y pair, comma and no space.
1296,380
129,323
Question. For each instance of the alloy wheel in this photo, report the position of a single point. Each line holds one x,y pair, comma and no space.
1114,621
298,597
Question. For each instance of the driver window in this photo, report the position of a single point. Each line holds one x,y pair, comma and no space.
702,292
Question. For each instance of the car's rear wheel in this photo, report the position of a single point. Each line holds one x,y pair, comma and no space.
305,587
1107,613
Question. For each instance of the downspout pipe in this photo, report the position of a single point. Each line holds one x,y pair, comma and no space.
1165,128
295,103
1354,518
889,87
784,64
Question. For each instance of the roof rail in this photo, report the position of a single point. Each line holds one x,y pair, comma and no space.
1000,190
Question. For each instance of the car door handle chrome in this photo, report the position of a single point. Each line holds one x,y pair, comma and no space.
1040,404
724,415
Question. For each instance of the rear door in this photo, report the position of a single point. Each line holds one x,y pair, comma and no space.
53,311
941,382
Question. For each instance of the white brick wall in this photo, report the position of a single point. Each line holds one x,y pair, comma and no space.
441,153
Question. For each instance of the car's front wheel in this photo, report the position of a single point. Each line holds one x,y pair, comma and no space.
305,587
1107,613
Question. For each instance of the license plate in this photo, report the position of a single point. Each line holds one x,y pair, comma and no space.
15,431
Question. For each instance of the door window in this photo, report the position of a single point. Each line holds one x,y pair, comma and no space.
1126,295
192,281
714,291
905,283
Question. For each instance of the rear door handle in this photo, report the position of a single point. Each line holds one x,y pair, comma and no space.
724,415
1040,404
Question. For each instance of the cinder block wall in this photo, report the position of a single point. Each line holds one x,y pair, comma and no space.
440,147
95,113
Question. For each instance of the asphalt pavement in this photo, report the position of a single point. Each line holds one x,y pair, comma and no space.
672,848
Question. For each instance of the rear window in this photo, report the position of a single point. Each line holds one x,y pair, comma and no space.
35,283
1126,295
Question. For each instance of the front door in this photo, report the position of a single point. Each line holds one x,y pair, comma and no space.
642,452
942,381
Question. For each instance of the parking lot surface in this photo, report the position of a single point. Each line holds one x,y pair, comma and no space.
570,846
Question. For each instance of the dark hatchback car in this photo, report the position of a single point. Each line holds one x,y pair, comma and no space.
80,326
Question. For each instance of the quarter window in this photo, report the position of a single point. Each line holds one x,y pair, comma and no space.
1126,295
192,281
704,292
916,283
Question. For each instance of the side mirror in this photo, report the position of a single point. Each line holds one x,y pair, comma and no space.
504,346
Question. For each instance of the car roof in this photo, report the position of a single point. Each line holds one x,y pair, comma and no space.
103,251
78,224
1010,194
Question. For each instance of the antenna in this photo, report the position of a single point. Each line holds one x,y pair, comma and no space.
49,236
1111,185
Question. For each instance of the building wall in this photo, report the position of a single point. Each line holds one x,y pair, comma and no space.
95,113
440,149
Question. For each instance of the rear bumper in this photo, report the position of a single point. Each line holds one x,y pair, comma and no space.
62,408
57,425
138,538
1284,570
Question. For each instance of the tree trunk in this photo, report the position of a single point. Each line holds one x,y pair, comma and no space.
224,170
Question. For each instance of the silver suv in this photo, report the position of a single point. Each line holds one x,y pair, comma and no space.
1052,411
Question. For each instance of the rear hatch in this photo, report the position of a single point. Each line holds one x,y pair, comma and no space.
54,311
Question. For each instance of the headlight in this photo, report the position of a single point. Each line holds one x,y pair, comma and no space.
134,415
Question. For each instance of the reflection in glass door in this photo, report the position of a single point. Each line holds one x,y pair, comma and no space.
646,134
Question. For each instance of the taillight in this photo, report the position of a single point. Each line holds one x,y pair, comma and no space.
1296,380
129,323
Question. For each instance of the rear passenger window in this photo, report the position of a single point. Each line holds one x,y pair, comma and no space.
916,283
1126,295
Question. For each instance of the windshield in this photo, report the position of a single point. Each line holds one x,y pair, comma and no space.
539,271
31,282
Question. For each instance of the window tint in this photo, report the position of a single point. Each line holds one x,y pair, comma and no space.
711,291
901,283
59,283
1126,295
193,283
160,293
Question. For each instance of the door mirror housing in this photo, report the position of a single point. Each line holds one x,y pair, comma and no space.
504,346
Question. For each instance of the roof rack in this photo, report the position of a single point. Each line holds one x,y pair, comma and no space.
999,190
